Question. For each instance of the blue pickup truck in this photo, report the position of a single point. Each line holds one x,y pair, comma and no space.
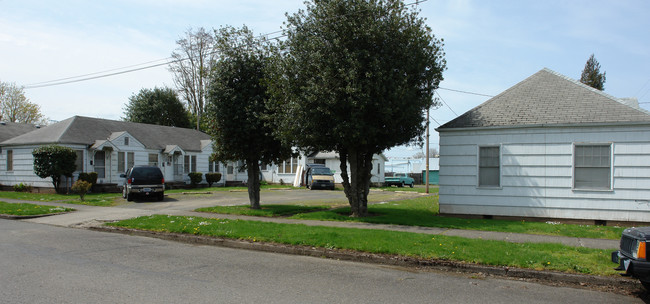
399,180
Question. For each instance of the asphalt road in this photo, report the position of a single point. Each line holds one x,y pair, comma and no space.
48,264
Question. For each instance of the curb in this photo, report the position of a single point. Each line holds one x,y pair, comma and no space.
615,284
26,217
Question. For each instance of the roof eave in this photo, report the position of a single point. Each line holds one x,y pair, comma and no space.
532,126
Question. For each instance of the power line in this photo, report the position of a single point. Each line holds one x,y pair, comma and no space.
465,92
443,101
111,72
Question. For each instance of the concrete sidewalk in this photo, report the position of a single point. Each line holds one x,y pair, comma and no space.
89,216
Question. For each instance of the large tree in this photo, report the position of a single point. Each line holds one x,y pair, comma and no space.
591,74
159,106
54,161
15,107
236,106
191,68
355,77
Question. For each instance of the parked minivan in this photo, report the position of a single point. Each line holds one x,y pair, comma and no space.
319,177
143,181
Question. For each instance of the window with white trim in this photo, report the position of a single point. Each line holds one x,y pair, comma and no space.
10,160
79,162
489,167
153,159
592,167
288,166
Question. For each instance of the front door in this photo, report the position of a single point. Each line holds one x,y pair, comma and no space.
100,164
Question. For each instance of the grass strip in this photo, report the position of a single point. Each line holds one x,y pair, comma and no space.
487,252
266,211
227,189
423,211
30,209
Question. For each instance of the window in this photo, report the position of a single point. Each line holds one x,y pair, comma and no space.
288,166
489,167
126,141
121,163
153,159
125,160
213,167
264,167
592,167
130,160
189,163
10,160
79,162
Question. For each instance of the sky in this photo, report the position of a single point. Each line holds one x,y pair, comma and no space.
489,45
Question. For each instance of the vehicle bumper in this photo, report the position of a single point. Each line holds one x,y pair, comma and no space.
322,185
146,190
632,267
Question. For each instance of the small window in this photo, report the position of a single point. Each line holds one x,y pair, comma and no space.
121,162
10,160
153,159
489,167
126,141
79,162
130,161
186,164
592,167
288,166
193,163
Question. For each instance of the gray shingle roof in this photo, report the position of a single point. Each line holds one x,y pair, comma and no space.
11,129
86,130
548,98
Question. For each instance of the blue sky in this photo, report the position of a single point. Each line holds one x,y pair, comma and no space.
490,46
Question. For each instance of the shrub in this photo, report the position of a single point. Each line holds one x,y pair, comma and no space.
90,177
54,161
212,178
22,188
195,178
81,187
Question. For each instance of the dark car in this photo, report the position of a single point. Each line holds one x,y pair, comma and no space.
632,256
319,177
143,181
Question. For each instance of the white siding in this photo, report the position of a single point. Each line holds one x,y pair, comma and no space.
537,174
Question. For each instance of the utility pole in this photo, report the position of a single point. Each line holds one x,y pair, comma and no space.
426,179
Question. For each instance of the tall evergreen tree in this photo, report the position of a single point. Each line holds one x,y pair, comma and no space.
591,74
355,77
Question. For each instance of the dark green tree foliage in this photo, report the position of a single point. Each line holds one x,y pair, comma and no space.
159,106
591,74
236,108
54,161
355,76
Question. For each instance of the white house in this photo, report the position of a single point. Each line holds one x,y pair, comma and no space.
548,147
287,171
109,148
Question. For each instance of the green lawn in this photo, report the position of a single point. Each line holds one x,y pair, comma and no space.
225,189
423,211
497,253
30,209
267,210
92,199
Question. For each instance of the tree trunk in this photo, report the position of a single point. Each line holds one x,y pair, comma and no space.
253,183
357,185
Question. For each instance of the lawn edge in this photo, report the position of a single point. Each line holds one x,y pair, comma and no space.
614,284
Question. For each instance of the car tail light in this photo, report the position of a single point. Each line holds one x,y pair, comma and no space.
640,252
163,180
129,181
